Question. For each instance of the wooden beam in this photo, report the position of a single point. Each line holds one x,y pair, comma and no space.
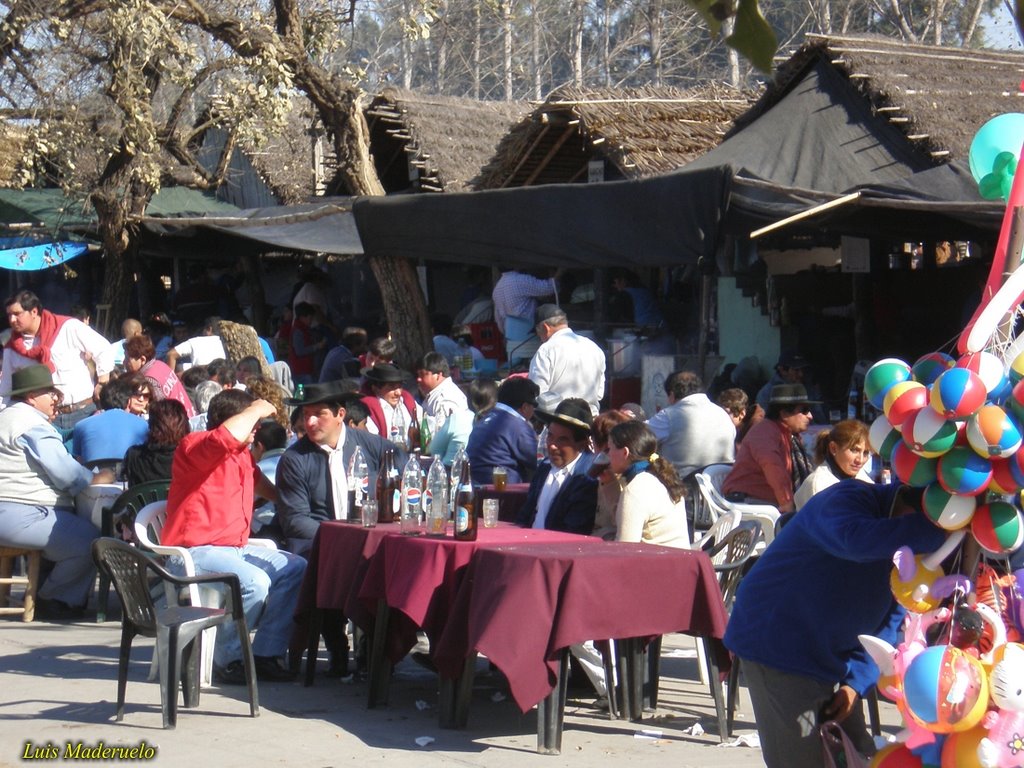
527,153
569,131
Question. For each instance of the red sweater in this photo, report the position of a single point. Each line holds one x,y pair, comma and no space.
211,496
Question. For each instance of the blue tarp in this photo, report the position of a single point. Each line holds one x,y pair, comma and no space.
29,254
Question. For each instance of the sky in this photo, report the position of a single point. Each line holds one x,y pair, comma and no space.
1001,31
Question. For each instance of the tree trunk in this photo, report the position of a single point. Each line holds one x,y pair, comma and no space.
506,59
535,49
576,42
114,207
477,43
654,30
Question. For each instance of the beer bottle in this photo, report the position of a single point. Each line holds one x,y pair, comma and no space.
413,436
425,436
389,495
465,508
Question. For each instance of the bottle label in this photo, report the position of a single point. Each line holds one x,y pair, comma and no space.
412,499
461,519
428,501
396,502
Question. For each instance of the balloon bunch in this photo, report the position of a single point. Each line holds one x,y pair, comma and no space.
993,155
953,428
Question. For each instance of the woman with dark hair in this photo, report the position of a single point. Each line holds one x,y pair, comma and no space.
840,453
140,395
609,490
168,424
650,508
140,357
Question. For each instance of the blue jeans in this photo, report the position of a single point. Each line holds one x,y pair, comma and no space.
65,539
270,581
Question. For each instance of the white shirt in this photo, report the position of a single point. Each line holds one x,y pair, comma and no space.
552,485
570,365
339,482
443,399
71,375
202,350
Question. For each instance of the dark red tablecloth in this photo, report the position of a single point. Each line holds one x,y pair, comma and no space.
510,501
418,577
520,605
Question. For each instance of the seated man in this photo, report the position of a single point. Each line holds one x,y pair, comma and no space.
504,437
312,483
105,437
563,495
692,431
441,395
38,480
393,411
209,510
771,462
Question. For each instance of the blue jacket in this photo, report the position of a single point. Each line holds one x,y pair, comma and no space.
823,581
573,509
502,439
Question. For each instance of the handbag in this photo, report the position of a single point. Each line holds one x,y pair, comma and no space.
838,750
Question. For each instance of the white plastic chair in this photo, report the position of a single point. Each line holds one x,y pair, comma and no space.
725,522
149,523
765,514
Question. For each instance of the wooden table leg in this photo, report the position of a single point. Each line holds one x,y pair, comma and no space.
551,711
715,684
380,667
456,695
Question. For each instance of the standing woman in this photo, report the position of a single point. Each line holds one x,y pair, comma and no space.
840,453
650,509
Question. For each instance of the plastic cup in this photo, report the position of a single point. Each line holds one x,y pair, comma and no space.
490,513
369,513
500,478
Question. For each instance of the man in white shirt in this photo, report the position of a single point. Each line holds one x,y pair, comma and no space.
200,350
65,346
441,395
567,364
692,431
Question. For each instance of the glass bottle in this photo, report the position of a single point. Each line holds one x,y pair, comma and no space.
465,507
412,497
389,496
435,499
358,484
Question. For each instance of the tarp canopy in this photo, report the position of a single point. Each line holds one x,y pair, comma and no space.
26,254
324,226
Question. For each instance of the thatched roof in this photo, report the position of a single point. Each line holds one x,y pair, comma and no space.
446,139
938,96
638,132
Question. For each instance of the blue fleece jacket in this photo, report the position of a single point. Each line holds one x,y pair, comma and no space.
823,581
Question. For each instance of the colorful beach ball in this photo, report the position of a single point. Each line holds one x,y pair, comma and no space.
881,376
1015,403
1016,369
928,433
895,756
883,437
903,399
964,472
945,689
958,393
988,367
913,469
1007,475
992,433
929,367
960,750
948,510
998,528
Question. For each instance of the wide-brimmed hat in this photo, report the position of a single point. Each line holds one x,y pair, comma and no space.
790,394
311,394
31,379
573,412
384,373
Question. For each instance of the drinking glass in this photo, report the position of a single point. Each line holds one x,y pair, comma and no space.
490,513
369,514
500,478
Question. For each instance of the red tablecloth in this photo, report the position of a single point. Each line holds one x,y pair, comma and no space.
520,605
418,577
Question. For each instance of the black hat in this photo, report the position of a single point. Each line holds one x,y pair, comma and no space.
311,394
792,360
32,378
384,373
790,394
545,312
573,412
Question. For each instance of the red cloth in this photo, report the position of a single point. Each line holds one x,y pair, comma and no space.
372,403
764,465
521,605
211,495
301,365
49,326
167,384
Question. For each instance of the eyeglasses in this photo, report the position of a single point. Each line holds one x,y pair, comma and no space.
805,409
142,395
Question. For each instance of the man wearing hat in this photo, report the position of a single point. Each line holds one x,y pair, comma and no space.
312,483
566,363
392,409
791,369
562,495
771,462
38,480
